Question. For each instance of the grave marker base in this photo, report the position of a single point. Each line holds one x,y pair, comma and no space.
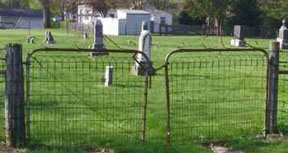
238,42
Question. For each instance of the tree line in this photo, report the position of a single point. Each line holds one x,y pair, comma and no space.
218,12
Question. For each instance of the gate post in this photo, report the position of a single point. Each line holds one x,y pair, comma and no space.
14,97
271,105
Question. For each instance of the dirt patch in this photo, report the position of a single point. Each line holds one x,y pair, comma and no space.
4,149
100,151
220,147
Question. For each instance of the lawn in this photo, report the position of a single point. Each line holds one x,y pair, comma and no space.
213,95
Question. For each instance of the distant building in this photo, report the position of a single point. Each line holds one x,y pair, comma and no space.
117,22
22,19
159,17
124,21
86,14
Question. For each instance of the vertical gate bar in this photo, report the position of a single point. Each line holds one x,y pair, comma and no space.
14,97
28,64
271,106
144,107
168,128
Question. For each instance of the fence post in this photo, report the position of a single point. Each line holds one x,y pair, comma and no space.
14,97
271,106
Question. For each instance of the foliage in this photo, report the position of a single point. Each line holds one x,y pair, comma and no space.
276,8
246,12
187,19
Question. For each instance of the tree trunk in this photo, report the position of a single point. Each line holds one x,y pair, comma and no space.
46,16
218,26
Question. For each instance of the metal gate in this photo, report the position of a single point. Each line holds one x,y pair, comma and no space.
67,103
215,94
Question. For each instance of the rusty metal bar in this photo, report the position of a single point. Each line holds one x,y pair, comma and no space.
283,72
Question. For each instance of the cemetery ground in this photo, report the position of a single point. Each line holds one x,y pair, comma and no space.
156,119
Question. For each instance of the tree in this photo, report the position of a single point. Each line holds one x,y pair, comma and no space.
46,13
212,9
275,8
246,12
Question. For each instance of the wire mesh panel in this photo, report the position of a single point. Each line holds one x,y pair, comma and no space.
283,104
215,94
68,103
283,94
2,92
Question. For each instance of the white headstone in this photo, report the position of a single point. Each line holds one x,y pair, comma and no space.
108,76
144,43
143,62
239,36
283,36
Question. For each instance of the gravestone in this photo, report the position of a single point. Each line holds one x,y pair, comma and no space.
1,26
283,36
49,39
85,36
239,36
108,78
143,65
31,39
98,35
98,39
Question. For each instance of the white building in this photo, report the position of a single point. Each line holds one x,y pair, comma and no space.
22,19
124,21
85,14
159,17
117,22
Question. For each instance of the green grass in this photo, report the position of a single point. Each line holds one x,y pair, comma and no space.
73,105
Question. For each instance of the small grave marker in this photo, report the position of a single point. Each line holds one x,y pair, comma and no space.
108,78
283,36
85,36
31,39
239,36
49,39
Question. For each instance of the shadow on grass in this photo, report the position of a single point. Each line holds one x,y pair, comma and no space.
151,147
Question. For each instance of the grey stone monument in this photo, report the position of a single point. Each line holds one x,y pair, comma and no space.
239,36
98,40
108,78
98,35
1,22
142,65
49,39
283,36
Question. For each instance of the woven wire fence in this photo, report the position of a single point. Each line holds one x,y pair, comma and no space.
283,94
69,105
2,92
219,95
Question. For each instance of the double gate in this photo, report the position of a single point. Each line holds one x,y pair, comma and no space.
210,94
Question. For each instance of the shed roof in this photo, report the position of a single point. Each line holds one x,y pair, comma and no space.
133,11
21,13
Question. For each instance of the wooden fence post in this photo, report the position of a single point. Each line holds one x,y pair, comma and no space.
14,97
271,106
